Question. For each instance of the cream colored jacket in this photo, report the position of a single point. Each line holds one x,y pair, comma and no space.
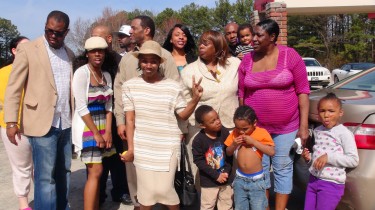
222,96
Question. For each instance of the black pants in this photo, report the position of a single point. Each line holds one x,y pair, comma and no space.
114,165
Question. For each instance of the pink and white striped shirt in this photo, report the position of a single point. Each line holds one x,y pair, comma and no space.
273,94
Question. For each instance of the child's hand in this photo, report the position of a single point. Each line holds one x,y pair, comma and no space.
248,140
240,56
320,162
222,178
306,155
238,141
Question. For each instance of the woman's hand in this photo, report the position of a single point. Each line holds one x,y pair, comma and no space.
196,89
100,142
303,133
127,156
306,155
107,136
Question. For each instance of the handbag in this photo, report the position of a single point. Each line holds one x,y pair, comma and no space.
184,180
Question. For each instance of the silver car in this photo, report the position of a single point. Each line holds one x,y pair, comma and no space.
358,97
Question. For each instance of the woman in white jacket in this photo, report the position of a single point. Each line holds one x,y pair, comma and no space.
220,82
93,116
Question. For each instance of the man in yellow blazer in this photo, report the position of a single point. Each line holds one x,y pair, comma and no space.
43,69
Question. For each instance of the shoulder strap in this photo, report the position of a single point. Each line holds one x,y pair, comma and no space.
185,157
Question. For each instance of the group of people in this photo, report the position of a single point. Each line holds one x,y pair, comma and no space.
242,95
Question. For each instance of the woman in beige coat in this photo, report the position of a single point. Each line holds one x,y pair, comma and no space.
220,82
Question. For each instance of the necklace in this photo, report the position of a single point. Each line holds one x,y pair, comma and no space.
96,79
214,73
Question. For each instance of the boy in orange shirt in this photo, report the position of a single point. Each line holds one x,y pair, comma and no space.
248,143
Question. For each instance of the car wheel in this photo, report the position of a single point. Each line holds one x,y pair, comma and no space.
335,79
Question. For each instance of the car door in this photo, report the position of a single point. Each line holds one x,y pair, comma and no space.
345,71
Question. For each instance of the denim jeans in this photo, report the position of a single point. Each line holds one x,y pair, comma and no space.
248,192
52,155
282,163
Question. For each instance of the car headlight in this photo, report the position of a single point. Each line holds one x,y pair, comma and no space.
326,73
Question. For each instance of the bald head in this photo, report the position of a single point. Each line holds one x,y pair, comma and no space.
104,32
230,32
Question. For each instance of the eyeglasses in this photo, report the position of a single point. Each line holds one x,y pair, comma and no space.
50,32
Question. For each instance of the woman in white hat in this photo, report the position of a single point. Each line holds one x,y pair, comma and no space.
91,128
152,104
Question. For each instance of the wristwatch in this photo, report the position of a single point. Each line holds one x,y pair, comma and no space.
11,125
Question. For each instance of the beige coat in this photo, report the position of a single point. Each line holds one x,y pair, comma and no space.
32,71
222,96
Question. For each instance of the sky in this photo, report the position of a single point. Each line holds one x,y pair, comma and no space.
30,15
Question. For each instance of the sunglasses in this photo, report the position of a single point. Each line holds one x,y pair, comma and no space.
50,32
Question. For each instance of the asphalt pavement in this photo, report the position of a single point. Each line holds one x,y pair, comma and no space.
8,200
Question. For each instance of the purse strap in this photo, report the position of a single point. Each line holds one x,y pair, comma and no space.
185,157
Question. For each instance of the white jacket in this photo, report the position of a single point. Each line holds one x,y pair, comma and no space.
222,96
80,86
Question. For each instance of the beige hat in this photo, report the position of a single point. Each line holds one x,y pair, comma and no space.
150,47
95,42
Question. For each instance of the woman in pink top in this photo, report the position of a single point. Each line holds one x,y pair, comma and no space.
273,81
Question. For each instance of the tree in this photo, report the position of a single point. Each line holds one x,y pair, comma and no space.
163,16
8,31
78,34
333,39
114,19
223,14
359,39
137,12
164,21
307,34
197,18
242,10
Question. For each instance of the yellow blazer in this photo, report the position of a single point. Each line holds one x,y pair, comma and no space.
32,72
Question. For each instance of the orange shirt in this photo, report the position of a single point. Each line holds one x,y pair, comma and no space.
259,134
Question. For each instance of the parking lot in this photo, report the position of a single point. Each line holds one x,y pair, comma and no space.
9,201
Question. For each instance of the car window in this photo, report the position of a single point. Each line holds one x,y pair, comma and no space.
311,63
346,67
365,81
363,66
